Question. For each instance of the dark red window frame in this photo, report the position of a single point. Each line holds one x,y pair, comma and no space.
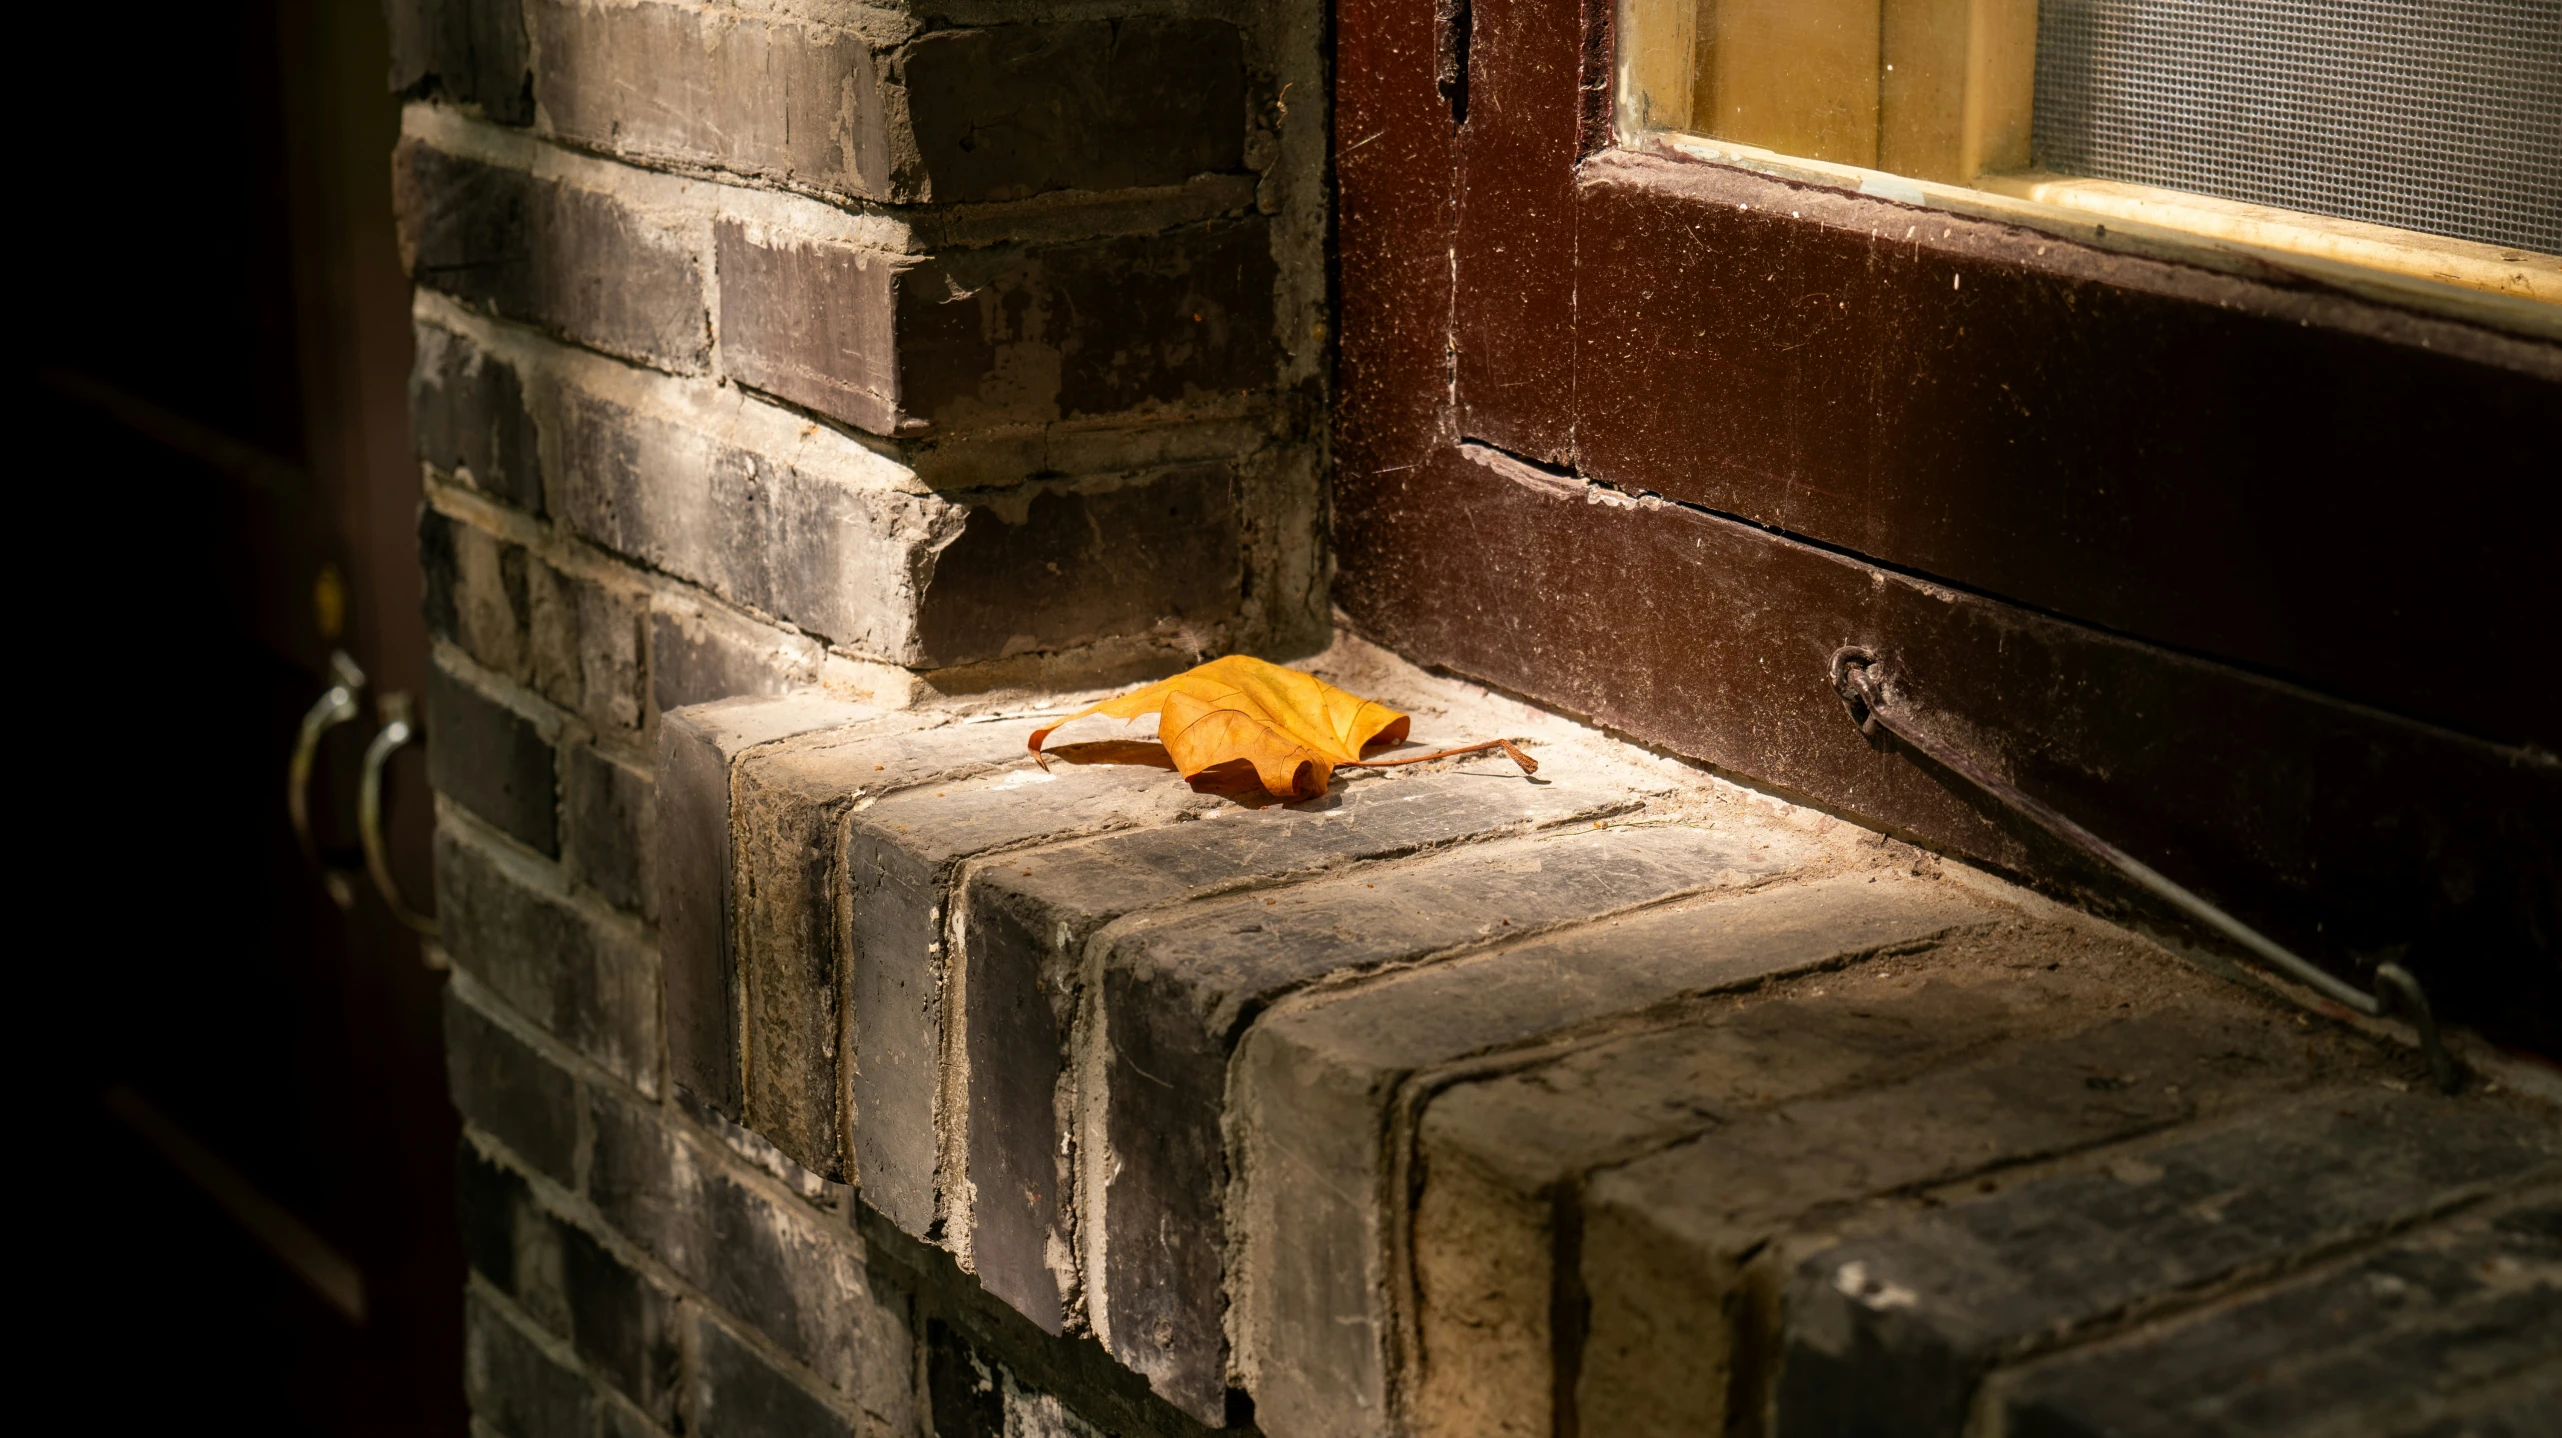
2251,575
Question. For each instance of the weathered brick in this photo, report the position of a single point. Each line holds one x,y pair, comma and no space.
2384,1344
503,1086
488,1197
699,653
476,595
470,51
806,1056
1050,568
818,323
623,1324
1014,110
493,759
948,116
1320,1094
569,638
469,418
1002,335
691,822
618,1418
965,1397
756,505
1896,1324
620,1322
584,646
516,1244
792,1274
609,803
1669,1270
772,95
738,1392
515,1385
1027,921
581,972
580,262
475,592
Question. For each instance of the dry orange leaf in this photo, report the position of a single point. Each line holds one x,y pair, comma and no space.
1294,728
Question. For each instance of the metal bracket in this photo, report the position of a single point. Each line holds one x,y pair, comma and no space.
1865,690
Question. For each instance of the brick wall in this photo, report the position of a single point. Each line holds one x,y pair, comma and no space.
878,352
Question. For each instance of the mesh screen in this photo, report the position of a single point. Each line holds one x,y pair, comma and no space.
2435,115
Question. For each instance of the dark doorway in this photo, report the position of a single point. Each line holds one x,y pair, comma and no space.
213,356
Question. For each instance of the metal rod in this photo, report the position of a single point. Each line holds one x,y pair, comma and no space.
1856,678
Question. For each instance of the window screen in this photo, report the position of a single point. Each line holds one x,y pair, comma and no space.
2441,117
2436,115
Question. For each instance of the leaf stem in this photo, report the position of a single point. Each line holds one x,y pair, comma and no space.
1528,764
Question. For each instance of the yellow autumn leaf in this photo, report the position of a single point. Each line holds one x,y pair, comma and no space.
1293,728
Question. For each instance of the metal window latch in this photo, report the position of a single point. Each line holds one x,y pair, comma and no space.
1858,677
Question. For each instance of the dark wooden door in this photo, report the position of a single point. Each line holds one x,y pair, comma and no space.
251,1090
2242,570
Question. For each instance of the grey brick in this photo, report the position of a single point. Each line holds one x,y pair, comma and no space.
794,1275
760,507
1671,1244
470,51
2384,1344
818,323
966,1397
513,1384
1898,1322
739,1393
488,1197
953,115
503,1086
586,653
699,654
493,759
439,563
587,976
1131,325
619,1419
791,802
623,1324
1014,110
469,418
1053,568
610,663
477,598
1321,1087
692,823
609,804
2525,1406
1028,921
536,1282
771,95
571,639
579,262
901,859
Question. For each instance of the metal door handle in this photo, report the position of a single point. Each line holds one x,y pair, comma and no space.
398,729
335,706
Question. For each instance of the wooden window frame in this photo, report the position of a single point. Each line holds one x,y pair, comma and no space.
1974,159
2244,567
